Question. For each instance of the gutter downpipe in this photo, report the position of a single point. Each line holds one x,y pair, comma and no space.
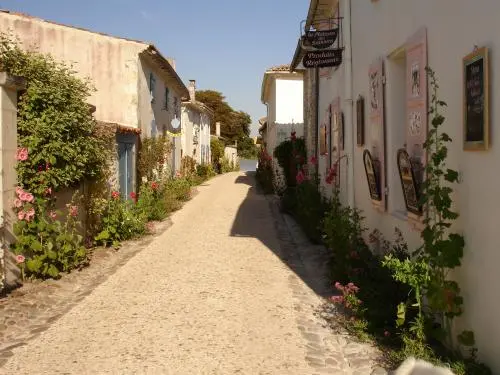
349,103
316,103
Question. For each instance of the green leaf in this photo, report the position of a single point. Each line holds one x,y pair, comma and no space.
401,314
451,175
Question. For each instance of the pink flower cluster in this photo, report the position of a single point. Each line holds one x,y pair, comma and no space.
348,297
331,175
24,197
115,194
313,160
300,178
20,259
22,154
73,210
155,185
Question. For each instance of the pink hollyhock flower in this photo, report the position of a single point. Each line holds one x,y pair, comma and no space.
313,160
387,333
22,154
300,177
48,191
337,299
20,215
73,211
47,166
115,195
27,197
19,190
20,259
53,215
339,286
154,185
30,214
133,196
18,203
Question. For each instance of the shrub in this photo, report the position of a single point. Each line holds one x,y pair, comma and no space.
188,166
291,156
151,203
179,188
58,148
152,159
264,172
121,221
217,153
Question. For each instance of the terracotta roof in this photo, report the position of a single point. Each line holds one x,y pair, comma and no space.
279,68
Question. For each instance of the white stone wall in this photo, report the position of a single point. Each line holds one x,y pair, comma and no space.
449,39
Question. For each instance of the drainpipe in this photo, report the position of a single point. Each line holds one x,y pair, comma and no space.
349,118
316,102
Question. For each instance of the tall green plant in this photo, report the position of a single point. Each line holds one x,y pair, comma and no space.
427,273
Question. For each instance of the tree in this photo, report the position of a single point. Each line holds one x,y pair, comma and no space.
235,125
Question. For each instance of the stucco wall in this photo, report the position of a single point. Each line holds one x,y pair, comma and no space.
449,40
289,101
110,63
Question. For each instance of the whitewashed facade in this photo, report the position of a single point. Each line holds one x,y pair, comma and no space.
387,46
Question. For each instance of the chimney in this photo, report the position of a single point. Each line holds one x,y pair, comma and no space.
171,62
217,129
192,90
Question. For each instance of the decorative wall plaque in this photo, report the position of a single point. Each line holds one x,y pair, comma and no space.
360,121
408,183
476,100
377,132
372,176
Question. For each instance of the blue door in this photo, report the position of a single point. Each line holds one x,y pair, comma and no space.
126,147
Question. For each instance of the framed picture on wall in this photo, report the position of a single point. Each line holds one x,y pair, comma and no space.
476,100
360,121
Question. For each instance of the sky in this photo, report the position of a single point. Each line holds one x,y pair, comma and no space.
225,45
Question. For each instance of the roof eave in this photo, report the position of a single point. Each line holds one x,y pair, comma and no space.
155,56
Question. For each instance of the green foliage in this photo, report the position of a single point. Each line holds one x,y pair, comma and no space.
49,245
235,125
121,221
264,173
217,153
188,167
205,171
59,147
247,148
54,122
291,156
151,203
152,158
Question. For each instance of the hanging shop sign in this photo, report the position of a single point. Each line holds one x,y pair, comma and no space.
372,176
323,59
321,39
408,182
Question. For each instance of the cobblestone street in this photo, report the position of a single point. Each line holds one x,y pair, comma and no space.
228,285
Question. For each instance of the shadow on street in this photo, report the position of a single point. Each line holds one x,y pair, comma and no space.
260,217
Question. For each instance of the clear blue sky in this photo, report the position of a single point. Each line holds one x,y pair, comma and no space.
226,45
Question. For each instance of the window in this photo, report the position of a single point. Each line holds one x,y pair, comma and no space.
166,98
152,86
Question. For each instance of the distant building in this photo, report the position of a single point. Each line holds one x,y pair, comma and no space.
196,121
282,93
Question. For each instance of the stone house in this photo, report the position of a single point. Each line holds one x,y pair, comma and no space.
138,92
196,121
380,94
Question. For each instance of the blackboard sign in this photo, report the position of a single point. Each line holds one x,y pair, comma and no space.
408,183
476,100
372,176
360,121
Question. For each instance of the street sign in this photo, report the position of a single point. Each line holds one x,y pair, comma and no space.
321,39
323,59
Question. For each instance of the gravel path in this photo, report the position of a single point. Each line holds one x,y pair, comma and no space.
198,300
230,288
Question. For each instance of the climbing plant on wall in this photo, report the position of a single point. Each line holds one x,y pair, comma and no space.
58,148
